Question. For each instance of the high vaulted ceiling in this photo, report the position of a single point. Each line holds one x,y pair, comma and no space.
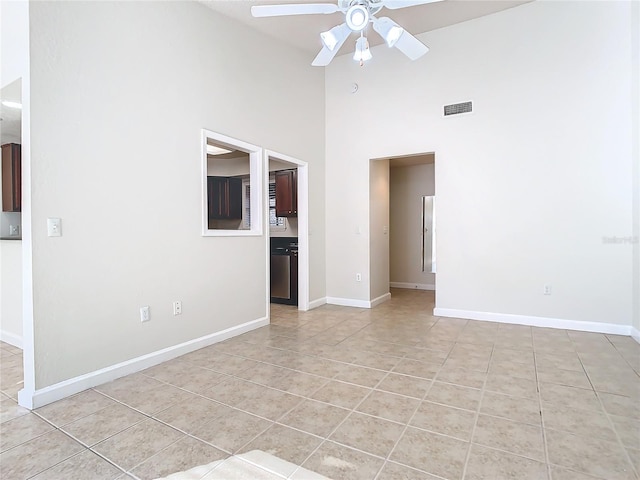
303,31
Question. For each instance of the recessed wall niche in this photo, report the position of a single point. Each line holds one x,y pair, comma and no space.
231,186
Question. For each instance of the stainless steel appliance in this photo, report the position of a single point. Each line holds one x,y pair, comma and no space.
284,270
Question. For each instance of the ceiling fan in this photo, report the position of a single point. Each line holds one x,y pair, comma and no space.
358,14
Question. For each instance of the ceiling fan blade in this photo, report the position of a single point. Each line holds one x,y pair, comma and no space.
395,4
324,57
293,9
411,46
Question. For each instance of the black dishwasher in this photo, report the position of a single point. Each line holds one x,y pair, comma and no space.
284,270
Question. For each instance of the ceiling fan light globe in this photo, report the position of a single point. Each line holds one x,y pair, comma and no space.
357,17
362,53
393,35
334,38
389,30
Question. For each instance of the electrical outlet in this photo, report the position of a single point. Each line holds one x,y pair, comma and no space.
14,230
358,277
145,314
177,307
547,290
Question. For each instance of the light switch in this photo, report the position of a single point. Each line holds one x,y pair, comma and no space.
54,227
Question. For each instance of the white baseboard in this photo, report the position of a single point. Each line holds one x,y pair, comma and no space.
352,302
635,333
380,299
11,338
546,322
44,396
317,303
348,302
413,286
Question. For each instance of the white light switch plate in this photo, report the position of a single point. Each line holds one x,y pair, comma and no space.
54,227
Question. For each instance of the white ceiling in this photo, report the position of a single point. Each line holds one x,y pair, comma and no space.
303,31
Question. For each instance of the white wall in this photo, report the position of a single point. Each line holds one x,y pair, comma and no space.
408,184
120,91
528,185
11,292
379,232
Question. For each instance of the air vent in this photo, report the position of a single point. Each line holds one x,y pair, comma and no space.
457,108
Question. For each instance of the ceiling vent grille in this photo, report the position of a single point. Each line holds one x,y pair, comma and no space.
457,108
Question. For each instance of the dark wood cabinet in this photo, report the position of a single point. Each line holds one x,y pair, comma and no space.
286,193
224,198
11,178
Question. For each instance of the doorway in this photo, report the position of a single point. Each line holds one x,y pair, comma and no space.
411,229
287,242
402,227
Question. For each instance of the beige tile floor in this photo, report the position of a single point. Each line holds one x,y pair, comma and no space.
389,393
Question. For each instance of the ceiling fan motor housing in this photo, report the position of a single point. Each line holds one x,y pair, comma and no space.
357,17
358,13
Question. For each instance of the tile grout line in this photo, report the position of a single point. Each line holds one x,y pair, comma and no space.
602,410
148,417
326,439
620,443
286,392
69,458
540,409
477,416
408,423
59,429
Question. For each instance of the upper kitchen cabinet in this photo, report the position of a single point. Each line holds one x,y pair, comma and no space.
286,193
224,198
11,178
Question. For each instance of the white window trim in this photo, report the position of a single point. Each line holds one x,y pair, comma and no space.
256,161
